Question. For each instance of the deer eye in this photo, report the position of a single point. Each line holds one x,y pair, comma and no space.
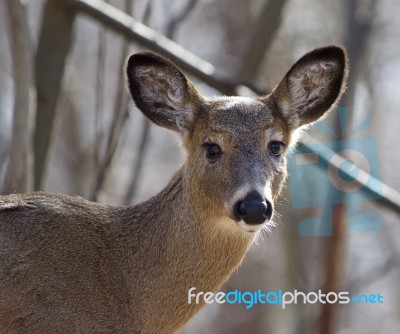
275,148
213,151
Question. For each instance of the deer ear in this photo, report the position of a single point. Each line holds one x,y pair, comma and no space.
312,86
162,92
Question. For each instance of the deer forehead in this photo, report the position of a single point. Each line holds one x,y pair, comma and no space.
242,119
228,102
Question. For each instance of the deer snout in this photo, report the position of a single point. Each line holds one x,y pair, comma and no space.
253,209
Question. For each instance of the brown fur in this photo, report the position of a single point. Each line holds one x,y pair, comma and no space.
68,265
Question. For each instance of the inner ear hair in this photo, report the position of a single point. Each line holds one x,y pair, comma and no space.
312,86
161,91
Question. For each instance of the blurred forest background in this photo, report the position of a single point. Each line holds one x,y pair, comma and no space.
67,125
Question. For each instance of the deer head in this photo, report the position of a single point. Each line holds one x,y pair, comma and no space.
236,146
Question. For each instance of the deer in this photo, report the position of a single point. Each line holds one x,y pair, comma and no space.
68,265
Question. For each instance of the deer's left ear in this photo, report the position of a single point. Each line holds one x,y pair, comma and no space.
162,92
312,86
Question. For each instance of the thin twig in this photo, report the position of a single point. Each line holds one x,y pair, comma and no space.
98,130
133,188
133,184
119,118
99,93
55,41
178,18
261,37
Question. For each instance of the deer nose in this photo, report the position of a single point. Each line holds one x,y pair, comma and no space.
254,209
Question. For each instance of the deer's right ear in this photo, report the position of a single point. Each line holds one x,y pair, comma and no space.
162,92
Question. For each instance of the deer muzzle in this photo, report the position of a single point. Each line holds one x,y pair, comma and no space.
253,209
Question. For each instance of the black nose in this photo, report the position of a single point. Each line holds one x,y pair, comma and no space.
254,209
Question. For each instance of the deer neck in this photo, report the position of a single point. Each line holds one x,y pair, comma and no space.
188,235
177,248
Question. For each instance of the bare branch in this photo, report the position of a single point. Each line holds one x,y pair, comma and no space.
144,138
18,176
54,44
119,118
261,38
132,29
99,93
179,17
133,185
359,21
